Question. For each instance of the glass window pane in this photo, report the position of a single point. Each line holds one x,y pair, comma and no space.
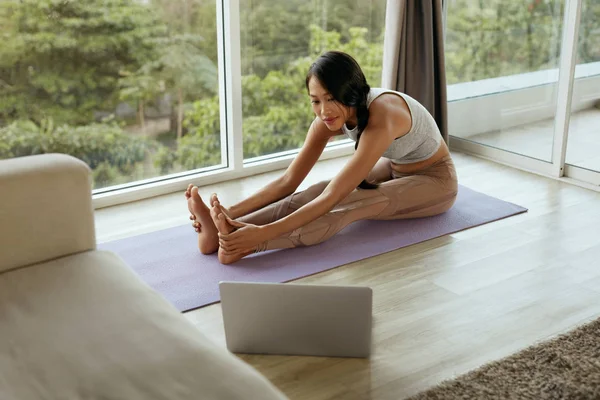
583,146
279,41
129,87
502,60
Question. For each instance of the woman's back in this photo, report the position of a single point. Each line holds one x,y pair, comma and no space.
419,143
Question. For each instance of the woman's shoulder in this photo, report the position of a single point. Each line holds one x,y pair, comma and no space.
386,100
377,92
373,94
390,106
393,98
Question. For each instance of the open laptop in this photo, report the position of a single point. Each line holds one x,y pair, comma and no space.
297,319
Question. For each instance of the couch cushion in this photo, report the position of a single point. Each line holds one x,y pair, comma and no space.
45,209
85,326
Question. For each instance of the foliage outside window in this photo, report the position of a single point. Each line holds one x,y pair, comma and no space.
131,88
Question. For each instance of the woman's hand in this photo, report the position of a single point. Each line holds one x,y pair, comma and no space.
244,239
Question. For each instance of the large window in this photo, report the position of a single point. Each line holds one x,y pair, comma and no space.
503,67
127,86
132,86
151,92
279,40
583,146
498,38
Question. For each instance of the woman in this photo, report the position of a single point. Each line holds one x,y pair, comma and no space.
401,169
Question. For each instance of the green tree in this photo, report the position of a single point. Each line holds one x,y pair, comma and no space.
61,59
188,55
274,33
140,87
191,17
589,32
494,38
276,110
501,37
109,151
186,70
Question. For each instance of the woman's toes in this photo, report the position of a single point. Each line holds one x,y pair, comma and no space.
188,191
197,226
194,193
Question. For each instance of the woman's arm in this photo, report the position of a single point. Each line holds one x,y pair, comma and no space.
376,138
274,191
313,147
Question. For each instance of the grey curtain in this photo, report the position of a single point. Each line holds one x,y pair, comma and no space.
413,56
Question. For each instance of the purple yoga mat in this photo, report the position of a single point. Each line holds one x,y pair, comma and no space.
169,260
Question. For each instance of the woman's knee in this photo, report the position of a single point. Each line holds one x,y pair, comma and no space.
315,190
416,197
449,203
299,199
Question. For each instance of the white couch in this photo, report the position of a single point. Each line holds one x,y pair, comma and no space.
77,323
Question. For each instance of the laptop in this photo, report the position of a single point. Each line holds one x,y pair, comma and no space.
297,319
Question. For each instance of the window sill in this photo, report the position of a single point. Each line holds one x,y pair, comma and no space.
276,162
170,210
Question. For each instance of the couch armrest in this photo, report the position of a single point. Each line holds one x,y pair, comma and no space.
45,209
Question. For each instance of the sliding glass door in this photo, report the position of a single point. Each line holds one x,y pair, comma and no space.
583,144
524,84
502,59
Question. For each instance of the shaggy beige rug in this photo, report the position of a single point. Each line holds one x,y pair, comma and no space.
567,367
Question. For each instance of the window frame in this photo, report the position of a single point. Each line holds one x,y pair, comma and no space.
234,166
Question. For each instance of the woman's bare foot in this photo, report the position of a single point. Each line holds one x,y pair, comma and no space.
208,237
224,227
213,198
218,217
188,191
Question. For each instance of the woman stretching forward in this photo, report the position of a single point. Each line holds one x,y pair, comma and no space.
401,169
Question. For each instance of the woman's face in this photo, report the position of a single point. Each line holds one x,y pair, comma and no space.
333,113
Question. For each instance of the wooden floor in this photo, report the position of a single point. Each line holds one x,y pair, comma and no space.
442,307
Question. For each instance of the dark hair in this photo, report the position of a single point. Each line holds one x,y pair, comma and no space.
343,78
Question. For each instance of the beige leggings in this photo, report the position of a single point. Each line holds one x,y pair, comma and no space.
425,193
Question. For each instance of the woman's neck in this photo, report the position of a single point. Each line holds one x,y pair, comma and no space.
352,121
